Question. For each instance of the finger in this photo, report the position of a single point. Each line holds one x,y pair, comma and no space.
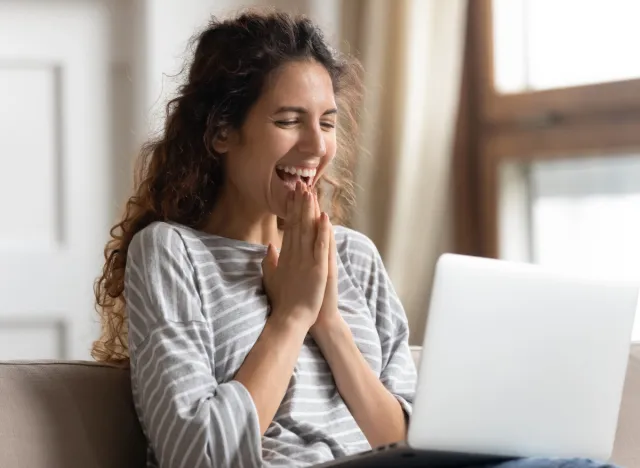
298,203
286,235
318,213
317,206
270,261
307,226
291,197
323,238
333,257
295,218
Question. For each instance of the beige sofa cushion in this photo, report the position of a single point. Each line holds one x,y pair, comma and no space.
67,415
626,451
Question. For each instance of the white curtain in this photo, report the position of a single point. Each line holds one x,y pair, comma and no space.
412,51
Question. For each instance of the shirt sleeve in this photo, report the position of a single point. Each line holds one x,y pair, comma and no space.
398,372
190,419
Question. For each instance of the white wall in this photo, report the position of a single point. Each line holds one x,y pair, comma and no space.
165,28
119,69
325,13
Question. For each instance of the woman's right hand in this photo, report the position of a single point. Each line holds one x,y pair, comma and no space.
296,279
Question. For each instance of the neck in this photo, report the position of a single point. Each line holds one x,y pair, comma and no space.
234,218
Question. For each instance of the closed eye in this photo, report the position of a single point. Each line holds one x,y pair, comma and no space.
286,123
291,123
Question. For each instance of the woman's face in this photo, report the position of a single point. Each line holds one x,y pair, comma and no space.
289,135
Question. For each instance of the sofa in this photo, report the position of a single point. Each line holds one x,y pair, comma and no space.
80,415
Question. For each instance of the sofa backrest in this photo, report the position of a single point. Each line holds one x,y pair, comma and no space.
68,415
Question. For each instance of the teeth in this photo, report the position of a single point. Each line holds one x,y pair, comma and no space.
298,171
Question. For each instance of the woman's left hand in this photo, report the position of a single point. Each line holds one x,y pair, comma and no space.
329,316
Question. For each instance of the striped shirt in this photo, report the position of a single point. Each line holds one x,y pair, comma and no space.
196,306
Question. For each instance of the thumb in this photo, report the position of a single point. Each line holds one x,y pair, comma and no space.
270,261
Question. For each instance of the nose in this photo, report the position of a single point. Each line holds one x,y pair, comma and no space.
312,141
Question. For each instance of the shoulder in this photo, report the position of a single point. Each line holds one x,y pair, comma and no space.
160,284
354,246
160,247
159,237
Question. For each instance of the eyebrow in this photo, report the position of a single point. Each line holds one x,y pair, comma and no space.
302,110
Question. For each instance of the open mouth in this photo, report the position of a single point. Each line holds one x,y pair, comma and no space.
290,175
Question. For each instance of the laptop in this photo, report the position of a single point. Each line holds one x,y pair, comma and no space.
517,361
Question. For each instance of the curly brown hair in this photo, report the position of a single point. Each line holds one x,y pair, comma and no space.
179,174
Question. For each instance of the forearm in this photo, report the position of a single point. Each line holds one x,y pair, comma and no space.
377,412
267,369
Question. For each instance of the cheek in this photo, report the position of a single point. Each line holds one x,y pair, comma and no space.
278,144
245,169
332,148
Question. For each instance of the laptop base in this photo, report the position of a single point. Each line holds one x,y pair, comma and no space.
404,456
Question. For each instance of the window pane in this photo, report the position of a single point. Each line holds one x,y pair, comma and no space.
586,215
545,44
580,215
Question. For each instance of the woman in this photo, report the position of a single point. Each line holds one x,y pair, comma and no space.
257,332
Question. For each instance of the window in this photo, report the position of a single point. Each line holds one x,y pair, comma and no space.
552,127
547,44
581,214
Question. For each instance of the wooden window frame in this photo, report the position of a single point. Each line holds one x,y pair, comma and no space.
494,128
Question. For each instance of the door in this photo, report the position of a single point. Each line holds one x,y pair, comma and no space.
54,175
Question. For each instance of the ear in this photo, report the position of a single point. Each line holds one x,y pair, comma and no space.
221,141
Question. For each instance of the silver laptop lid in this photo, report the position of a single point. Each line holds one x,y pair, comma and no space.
521,361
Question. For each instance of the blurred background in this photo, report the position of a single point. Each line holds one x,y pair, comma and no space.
499,128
